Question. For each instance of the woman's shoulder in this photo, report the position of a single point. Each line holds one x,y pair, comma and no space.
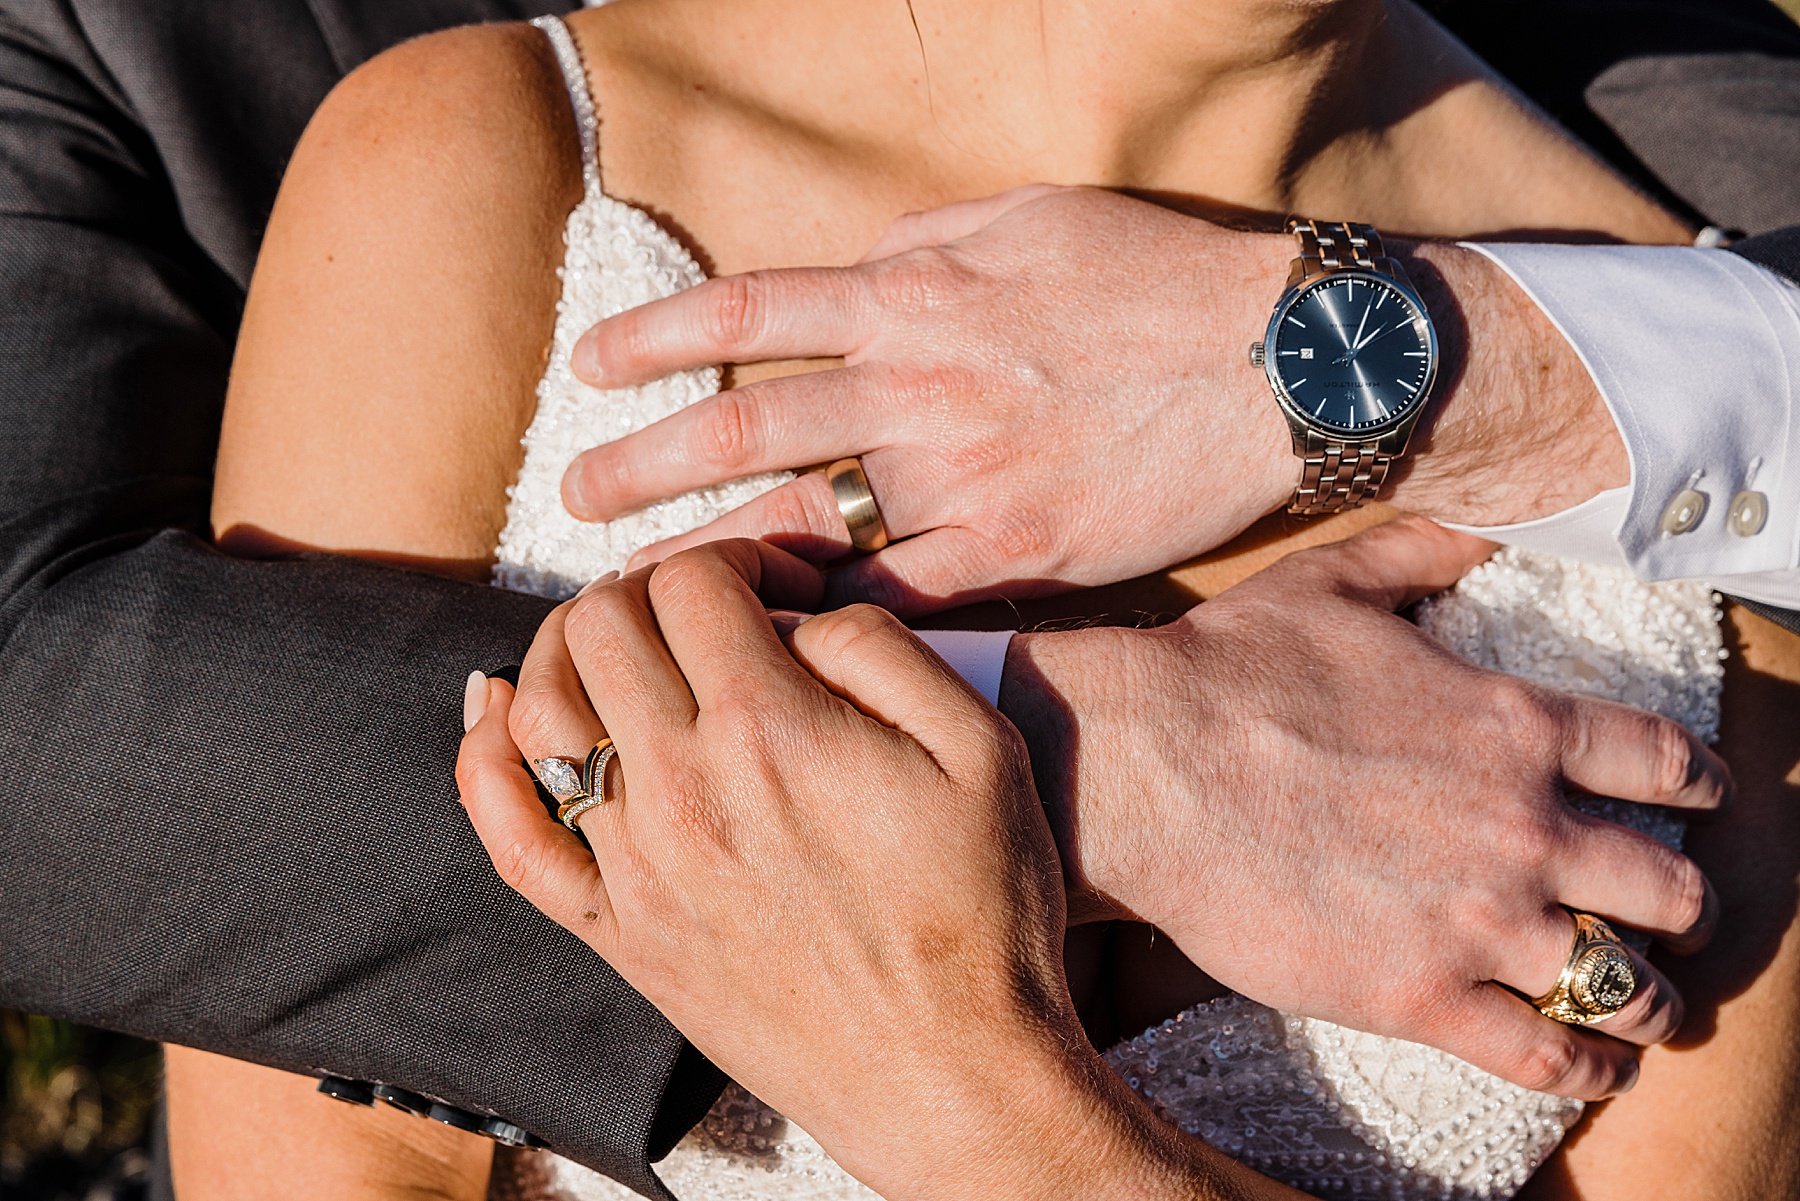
481,104
403,302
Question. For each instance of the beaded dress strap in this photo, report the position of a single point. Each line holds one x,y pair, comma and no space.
587,118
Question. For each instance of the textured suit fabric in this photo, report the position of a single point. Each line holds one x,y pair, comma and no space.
229,818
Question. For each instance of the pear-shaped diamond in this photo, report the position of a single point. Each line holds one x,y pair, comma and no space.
560,778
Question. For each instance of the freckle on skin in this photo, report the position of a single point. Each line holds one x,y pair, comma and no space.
590,916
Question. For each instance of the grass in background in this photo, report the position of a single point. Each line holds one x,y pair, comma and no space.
75,1111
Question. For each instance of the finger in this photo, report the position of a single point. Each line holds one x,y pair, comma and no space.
939,569
532,852
1654,1013
551,713
790,313
638,693
719,631
1533,963
1632,879
802,517
936,226
1395,564
866,656
778,425
1501,1033
1615,750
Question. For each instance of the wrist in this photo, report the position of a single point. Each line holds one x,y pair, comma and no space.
1071,694
1064,1128
1517,429
1034,696
1264,466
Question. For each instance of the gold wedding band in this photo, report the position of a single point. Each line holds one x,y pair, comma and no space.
856,505
576,790
1598,979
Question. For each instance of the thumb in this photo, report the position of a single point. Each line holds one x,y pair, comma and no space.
531,851
1395,564
935,227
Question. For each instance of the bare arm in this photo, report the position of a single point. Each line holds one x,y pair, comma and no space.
401,310
396,324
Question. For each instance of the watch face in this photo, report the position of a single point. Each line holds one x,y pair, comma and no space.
1352,353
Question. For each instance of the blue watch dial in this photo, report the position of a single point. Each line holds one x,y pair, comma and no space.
1353,354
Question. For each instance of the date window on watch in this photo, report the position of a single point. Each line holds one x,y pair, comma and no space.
1306,352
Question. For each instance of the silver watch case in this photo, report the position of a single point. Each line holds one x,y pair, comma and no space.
1388,439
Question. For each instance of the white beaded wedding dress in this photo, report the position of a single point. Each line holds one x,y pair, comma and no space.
1331,1111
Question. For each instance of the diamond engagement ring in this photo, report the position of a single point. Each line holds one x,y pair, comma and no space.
1597,980
576,789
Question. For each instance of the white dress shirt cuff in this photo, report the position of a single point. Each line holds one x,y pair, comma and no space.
1695,353
979,656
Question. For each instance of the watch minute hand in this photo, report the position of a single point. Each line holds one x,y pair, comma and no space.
1383,332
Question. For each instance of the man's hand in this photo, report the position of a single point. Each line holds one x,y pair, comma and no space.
1330,813
1033,383
825,863
1049,388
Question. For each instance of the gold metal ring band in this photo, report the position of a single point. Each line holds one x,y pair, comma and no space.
1597,980
856,505
593,780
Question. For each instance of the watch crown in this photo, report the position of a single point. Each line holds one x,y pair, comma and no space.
1256,354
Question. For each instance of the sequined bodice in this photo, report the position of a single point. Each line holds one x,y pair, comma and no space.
1334,1112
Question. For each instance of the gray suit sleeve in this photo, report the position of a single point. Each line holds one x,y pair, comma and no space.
229,818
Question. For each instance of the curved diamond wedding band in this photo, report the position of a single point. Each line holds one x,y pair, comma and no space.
856,505
576,789
1597,980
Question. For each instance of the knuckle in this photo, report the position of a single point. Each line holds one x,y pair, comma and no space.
1549,1064
690,578
596,620
607,473
1672,756
735,313
925,280
1533,718
1686,892
532,722
1488,916
689,814
1518,834
805,506
728,432
1022,535
522,868
840,633
471,774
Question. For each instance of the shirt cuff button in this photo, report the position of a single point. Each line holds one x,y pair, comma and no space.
1749,513
1683,511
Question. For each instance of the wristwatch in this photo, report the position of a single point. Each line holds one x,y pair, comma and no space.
1351,355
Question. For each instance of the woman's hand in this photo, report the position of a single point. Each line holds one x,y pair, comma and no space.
824,861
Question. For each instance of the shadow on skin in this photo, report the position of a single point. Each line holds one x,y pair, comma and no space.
1723,1092
253,542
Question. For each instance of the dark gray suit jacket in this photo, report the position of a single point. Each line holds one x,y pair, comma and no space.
228,818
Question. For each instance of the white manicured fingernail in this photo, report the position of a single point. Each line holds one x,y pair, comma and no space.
586,362
475,700
592,584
